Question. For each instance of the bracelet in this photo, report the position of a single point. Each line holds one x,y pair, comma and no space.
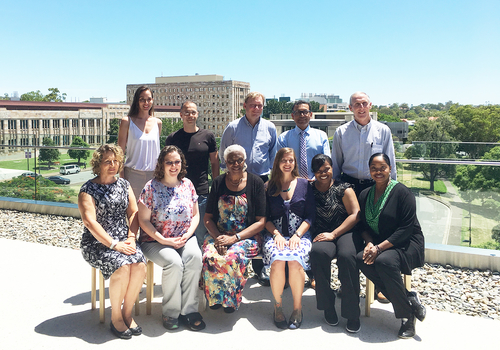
298,235
378,249
238,237
114,242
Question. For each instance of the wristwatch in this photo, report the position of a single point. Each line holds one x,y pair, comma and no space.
238,237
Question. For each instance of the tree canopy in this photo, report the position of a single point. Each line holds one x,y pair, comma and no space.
76,153
54,95
49,155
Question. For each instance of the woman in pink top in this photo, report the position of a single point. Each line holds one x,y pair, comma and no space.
139,137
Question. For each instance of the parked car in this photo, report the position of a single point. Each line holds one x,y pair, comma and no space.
59,180
69,169
30,173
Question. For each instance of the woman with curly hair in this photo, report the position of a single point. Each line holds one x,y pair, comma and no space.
168,215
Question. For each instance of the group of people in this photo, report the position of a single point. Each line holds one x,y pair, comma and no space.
287,197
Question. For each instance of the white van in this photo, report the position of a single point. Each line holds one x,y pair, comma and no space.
69,169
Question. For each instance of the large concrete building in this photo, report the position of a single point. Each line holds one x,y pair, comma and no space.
26,123
219,101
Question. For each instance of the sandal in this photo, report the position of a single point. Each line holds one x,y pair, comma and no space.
194,321
170,323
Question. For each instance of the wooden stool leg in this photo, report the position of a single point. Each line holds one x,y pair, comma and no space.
149,286
370,292
101,298
93,294
407,282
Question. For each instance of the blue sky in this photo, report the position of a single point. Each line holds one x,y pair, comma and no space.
396,51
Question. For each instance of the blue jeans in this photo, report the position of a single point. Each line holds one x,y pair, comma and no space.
202,208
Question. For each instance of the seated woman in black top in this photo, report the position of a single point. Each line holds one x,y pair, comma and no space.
394,241
337,212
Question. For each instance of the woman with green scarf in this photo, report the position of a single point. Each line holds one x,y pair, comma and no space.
394,241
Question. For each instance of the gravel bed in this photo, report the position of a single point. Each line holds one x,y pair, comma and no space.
444,288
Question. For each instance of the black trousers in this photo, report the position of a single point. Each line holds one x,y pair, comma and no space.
385,272
322,253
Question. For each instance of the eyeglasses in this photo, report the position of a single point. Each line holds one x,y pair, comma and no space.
284,161
358,105
253,105
235,161
111,162
302,113
188,113
148,100
169,163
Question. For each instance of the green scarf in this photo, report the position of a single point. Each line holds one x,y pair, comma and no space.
372,211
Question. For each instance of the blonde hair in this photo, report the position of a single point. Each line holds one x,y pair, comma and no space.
96,160
253,95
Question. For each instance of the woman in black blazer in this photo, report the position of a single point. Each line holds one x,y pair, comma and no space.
394,241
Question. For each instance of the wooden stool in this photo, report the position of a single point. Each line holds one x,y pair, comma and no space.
370,292
101,295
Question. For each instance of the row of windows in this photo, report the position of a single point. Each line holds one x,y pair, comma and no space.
66,140
35,124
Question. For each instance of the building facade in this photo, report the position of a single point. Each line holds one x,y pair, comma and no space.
27,123
219,101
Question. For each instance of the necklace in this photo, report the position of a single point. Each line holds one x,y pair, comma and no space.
289,188
236,183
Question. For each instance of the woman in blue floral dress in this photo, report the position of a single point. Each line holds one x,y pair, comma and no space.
234,218
108,243
291,212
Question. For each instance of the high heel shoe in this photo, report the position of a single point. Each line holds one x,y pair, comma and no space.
280,324
294,322
126,334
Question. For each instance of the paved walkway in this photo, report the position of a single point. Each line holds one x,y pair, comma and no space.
46,305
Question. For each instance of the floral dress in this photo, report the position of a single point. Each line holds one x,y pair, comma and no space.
111,203
287,216
225,275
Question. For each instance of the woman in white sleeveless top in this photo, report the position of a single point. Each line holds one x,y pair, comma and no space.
139,137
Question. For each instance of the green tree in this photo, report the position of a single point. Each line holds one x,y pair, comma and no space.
168,127
476,124
315,106
438,132
5,97
49,155
114,126
33,96
76,153
387,118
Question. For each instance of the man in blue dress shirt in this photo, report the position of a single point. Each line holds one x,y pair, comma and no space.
355,142
255,134
316,141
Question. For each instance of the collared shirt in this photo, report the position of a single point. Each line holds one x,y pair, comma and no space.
316,143
353,145
259,143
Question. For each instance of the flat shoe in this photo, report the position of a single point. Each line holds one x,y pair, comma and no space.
417,307
191,320
331,317
137,330
407,329
126,334
280,324
294,323
216,306
170,323
229,310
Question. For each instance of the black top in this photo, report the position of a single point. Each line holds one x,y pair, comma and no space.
196,147
256,197
399,225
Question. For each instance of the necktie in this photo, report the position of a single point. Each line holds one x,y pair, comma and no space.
303,156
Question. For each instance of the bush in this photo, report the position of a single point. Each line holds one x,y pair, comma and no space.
24,187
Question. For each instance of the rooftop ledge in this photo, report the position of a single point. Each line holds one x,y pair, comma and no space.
464,257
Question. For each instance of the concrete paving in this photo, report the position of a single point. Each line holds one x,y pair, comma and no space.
46,305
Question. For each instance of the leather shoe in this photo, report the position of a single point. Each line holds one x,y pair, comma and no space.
407,329
126,334
263,278
331,317
417,307
294,322
137,330
283,324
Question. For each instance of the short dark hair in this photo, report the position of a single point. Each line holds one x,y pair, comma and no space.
383,155
300,102
134,107
188,102
318,161
159,172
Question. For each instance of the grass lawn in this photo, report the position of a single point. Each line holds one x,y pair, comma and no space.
22,164
414,180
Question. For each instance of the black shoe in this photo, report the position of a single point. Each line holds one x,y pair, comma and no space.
137,330
216,306
126,334
295,323
170,323
263,278
331,317
229,310
416,306
353,326
280,324
407,329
